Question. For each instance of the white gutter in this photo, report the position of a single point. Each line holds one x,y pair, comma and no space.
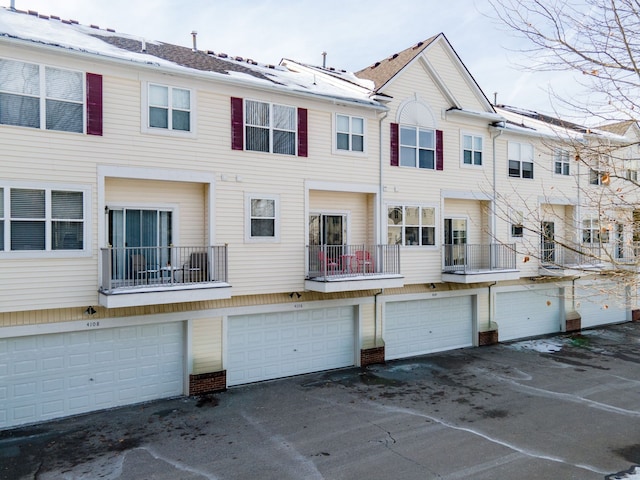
189,72
493,117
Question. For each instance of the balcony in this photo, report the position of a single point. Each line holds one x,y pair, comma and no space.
344,268
465,263
134,276
558,260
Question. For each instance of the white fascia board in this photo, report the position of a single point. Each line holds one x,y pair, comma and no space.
492,117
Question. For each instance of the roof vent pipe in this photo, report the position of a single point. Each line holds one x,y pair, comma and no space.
13,5
324,59
495,98
143,46
194,34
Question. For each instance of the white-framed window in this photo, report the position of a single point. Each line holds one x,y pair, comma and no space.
262,218
411,225
471,149
169,108
417,147
632,165
39,219
516,223
43,97
593,232
270,127
349,133
520,160
561,162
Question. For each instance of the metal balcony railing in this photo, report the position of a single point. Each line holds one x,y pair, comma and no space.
153,267
562,256
348,261
467,258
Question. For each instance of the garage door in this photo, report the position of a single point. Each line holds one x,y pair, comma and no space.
417,327
50,376
282,344
600,304
528,313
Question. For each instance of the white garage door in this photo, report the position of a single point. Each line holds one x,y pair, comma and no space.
50,376
600,304
417,327
282,344
528,313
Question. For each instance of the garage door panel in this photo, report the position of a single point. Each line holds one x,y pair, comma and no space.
528,313
418,327
50,376
600,303
290,343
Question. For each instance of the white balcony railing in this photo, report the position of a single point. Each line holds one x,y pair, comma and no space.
152,267
349,261
468,258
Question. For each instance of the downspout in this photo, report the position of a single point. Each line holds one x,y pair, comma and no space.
380,234
494,192
491,305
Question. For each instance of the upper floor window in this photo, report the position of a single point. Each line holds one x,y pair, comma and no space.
270,127
42,97
41,219
593,231
417,147
411,225
471,149
561,162
263,218
517,220
520,160
349,133
169,108
597,174
632,165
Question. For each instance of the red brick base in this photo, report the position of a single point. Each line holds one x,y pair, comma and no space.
635,315
207,382
370,356
573,322
490,337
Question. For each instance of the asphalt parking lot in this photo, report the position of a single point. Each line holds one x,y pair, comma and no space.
561,407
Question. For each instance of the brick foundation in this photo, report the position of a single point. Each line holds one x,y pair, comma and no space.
370,356
490,337
635,315
207,382
573,322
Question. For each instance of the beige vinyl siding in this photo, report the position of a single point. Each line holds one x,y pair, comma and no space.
188,198
368,326
206,345
355,205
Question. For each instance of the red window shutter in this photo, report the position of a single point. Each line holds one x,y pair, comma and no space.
303,144
94,104
237,124
439,151
395,132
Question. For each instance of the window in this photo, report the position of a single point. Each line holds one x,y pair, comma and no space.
632,165
41,219
417,147
411,225
520,160
517,219
41,97
471,150
597,177
270,127
169,108
593,231
263,218
561,161
349,133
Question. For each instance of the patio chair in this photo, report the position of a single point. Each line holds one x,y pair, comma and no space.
197,268
364,262
327,264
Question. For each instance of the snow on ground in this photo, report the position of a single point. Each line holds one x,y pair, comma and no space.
542,345
631,474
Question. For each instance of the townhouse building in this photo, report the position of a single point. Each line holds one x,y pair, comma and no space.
176,221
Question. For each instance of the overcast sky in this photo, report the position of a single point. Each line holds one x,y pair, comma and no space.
354,33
